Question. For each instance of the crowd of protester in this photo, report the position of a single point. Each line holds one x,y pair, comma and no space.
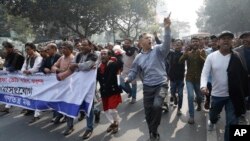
215,70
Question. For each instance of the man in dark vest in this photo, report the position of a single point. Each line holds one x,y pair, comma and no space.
31,65
85,60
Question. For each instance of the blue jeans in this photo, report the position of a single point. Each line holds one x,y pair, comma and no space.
177,86
90,118
191,88
217,104
128,89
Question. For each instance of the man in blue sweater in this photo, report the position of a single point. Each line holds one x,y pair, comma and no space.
150,65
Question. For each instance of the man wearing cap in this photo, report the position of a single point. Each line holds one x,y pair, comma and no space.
244,52
13,62
195,58
229,83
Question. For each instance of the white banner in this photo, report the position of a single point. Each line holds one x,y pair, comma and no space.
43,92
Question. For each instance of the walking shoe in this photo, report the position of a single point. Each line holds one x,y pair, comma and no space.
165,108
175,100
23,111
191,120
82,116
111,127
179,112
57,120
68,131
97,116
171,100
242,120
115,129
53,120
29,112
34,119
64,119
154,137
129,95
5,110
87,134
133,100
206,105
210,126
198,107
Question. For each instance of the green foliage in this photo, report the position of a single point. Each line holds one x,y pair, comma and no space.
4,31
53,18
220,15
134,16
21,27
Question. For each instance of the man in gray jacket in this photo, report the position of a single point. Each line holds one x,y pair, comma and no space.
150,64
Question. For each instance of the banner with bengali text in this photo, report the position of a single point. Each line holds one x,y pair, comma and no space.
45,92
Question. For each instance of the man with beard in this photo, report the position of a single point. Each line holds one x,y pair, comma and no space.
85,60
109,89
195,58
128,58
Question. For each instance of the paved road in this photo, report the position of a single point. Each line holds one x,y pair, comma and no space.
15,127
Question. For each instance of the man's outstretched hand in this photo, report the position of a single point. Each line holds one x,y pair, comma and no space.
167,21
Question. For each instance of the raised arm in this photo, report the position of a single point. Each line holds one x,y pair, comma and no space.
165,47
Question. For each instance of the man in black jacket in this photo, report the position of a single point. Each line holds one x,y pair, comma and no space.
244,52
48,62
176,72
13,62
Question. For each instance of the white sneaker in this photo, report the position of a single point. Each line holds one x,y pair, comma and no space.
210,126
